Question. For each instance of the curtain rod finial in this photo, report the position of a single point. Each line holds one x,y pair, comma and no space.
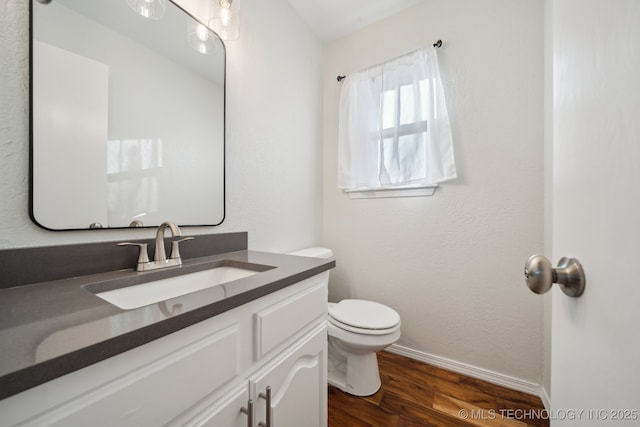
341,78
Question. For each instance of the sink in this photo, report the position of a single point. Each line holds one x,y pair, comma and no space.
156,291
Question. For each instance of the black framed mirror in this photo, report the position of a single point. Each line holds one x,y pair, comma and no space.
127,117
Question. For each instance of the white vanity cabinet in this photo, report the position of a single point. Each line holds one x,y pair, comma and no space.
293,386
204,374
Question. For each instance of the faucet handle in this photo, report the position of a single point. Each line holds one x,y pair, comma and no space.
175,247
143,256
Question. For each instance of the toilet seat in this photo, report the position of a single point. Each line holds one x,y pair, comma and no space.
364,317
363,331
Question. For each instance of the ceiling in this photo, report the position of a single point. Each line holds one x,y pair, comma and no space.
332,19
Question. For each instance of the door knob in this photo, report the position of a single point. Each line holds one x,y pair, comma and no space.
540,275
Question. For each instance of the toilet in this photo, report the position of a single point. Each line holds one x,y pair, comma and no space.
357,330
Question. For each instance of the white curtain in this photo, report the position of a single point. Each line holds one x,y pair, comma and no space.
394,127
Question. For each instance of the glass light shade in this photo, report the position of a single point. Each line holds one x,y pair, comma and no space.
200,37
226,19
152,9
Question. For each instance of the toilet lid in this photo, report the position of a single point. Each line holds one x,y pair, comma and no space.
364,314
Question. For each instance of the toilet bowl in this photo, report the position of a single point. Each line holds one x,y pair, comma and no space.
357,330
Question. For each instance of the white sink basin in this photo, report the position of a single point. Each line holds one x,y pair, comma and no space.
136,296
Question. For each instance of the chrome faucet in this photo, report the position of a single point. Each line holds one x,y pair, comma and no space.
160,255
160,259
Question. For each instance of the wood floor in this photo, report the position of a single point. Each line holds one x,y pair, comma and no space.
416,394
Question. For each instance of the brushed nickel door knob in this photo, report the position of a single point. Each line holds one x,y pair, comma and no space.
569,275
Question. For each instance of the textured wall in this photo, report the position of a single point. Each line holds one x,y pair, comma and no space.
14,157
451,264
274,173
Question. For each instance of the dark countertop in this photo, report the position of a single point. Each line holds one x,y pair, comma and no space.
50,329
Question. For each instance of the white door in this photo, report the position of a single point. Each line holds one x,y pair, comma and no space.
596,210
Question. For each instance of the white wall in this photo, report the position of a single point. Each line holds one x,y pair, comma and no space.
452,264
273,136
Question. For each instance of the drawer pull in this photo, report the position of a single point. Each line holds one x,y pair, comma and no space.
249,411
266,397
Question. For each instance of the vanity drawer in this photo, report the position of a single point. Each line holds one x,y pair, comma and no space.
148,394
275,324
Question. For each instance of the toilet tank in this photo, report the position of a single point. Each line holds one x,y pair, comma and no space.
315,252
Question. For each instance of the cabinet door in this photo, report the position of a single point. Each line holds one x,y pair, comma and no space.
298,382
226,412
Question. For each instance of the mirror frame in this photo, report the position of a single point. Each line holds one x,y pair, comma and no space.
31,136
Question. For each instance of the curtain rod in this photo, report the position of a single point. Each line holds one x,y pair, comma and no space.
437,45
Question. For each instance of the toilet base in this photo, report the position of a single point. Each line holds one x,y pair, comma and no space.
356,374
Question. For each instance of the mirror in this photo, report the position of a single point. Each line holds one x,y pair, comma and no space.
127,117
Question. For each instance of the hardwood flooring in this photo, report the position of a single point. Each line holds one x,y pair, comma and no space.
416,394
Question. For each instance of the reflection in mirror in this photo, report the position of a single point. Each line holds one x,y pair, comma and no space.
127,117
152,9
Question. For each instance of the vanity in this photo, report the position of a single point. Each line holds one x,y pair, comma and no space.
97,334
250,351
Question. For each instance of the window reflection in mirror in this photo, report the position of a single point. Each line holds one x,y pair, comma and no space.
127,117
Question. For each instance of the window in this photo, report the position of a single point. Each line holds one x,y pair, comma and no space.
394,128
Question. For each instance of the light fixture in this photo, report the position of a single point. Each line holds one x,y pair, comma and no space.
152,9
226,19
200,37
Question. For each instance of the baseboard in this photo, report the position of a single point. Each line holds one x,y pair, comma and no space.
546,400
474,371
